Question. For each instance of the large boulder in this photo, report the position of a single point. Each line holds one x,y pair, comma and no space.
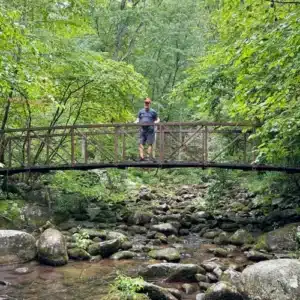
52,248
169,254
172,271
115,235
273,279
16,247
105,249
283,238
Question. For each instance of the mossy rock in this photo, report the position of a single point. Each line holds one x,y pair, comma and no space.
261,243
241,237
11,213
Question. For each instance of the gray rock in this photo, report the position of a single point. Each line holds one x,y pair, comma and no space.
220,252
115,235
222,239
283,238
140,218
92,233
212,277
79,254
165,228
172,271
126,245
258,256
210,234
156,292
200,296
273,279
204,285
16,247
189,288
52,248
105,249
169,254
222,291
201,277
233,277
241,237
123,255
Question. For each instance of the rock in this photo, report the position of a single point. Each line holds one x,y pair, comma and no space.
209,265
184,232
222,239
188,288
175,293
210,234
156,292
218,272
52,248
105,249
140,218
212,277
204,285
123,255
172,271
92,233
126,245
162,237
282,239
16,247
115,235
229,226
138,229
23,270
258,256
79,254
233,277
165,228
145,194
169,254
200,296
201,277
273,279
223,291
241,237
220,252
96,258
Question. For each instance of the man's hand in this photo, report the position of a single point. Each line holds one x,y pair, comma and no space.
157,121
136,121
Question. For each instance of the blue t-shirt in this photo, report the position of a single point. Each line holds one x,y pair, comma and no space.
147,116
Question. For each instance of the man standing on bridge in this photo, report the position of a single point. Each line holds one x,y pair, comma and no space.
148,116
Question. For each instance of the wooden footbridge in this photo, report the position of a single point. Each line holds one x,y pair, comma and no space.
83,147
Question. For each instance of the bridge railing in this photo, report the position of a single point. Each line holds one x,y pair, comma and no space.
204,142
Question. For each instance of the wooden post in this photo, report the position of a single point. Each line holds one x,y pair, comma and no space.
47,150
205,144
28,148
161,141
124,146
84,148
72,147
245,147
116,143
9,153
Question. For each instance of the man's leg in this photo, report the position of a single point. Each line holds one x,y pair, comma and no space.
142,142
150,141
141,150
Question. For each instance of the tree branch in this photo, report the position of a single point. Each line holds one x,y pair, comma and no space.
284,2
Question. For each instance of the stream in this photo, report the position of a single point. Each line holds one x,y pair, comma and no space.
91,280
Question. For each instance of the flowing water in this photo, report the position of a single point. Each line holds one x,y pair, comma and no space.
90,280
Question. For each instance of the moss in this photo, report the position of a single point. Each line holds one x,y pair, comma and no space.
261,243
10,213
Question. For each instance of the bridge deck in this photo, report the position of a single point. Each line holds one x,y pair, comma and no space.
178,145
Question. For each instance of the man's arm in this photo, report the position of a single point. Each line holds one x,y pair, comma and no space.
157,120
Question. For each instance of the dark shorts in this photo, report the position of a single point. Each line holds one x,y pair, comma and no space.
147,136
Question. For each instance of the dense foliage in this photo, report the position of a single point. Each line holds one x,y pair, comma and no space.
251,72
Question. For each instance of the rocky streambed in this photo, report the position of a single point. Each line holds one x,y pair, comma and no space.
181,251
